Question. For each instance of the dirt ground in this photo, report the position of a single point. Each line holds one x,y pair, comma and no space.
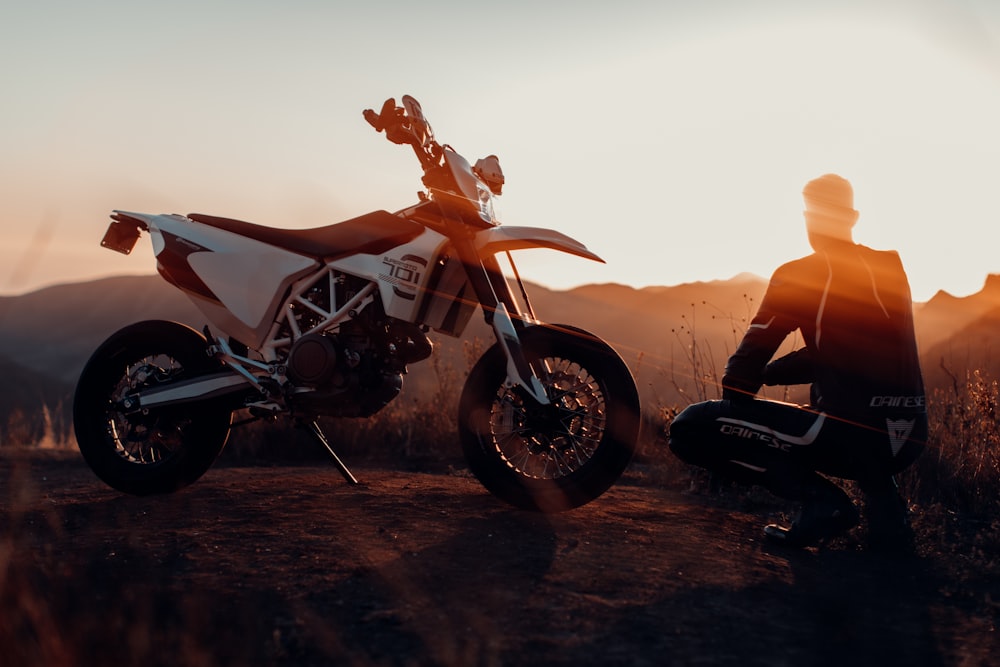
291,566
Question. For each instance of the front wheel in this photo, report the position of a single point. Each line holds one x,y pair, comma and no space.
155,451
559,456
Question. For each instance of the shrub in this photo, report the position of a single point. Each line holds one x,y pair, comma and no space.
961,467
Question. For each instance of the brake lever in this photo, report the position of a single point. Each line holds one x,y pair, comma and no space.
372,119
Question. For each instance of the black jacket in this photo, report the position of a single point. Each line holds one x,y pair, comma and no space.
853,307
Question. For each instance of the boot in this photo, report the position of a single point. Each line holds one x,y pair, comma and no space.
826,510
817,521
887,514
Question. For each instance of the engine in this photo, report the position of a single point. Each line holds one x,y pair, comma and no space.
356,371
312,361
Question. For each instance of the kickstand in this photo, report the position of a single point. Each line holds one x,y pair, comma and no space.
317,433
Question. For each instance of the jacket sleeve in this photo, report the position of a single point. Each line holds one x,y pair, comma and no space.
794,368
744,372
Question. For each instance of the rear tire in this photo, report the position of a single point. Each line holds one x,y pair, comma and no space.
163,449
557,457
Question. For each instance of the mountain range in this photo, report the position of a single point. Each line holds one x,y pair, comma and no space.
675,339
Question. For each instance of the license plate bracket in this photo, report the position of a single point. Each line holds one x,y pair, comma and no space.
121,237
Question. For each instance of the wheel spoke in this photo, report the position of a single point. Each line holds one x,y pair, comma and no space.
557,440
145,438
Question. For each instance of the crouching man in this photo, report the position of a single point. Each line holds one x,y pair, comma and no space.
867,417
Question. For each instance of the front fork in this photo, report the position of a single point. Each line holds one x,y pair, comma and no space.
494,295
518,369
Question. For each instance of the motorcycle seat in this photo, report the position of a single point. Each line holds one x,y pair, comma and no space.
370,233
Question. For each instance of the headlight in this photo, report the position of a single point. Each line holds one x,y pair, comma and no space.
486,210
455,187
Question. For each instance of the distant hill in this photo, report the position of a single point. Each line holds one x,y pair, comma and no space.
669,336
976,346
32,404
54,330
945,315
676,339
957,335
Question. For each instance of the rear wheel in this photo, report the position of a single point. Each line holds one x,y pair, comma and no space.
563,455
155,451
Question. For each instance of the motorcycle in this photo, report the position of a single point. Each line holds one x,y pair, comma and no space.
323,322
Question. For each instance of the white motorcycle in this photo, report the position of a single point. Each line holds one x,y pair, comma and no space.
323,322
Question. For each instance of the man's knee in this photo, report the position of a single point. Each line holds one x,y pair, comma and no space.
690,430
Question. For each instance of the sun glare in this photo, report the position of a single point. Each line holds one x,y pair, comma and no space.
675,150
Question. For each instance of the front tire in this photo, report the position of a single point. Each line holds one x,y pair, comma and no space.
557,457
161,450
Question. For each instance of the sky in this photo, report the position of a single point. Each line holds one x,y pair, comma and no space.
672,138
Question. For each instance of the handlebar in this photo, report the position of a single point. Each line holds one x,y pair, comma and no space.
407,125
381,120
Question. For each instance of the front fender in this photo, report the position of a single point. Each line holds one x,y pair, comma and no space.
500,239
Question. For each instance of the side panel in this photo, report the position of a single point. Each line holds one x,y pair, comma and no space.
238,283
402,274
449,300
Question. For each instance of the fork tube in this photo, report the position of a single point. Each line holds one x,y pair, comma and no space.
520,283
487,281
479,271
